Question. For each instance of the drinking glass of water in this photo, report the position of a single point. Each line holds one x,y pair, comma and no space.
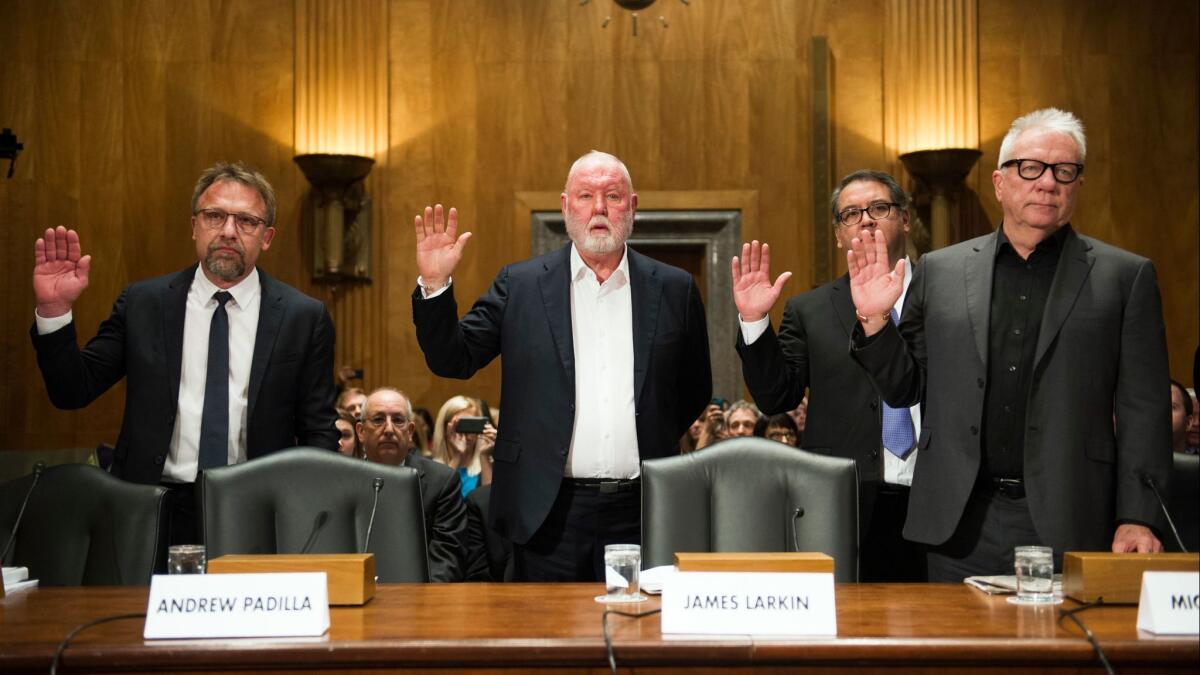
186,559
1034,566
622,563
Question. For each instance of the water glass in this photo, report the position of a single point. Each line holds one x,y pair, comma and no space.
622,563
1035,574
186,559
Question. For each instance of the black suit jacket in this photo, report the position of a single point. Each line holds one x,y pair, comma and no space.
451,552
811,351
291,393
1101,354
526,319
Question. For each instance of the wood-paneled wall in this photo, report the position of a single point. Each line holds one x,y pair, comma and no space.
121,103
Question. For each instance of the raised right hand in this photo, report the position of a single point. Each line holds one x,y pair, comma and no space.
753,292
439,246
874,286
60,273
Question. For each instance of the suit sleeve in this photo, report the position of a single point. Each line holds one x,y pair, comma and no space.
776,367
695,377
1142,402
315,414
75,377
894,358
447,535
455,348
477,563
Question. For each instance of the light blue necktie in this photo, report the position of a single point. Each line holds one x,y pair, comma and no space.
897,424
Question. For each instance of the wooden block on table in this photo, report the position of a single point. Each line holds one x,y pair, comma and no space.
351,575
754,562
1117,577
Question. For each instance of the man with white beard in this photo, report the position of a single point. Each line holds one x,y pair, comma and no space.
605,363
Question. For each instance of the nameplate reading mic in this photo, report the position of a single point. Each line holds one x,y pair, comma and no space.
749,603
1170,603
237,605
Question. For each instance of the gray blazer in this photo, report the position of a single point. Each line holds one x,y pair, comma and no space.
1101,355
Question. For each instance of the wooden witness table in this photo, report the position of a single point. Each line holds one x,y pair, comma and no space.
557,626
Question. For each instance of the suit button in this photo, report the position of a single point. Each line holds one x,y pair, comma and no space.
874,453
563,452
158,460
980,382
974,431
874,405
1033,428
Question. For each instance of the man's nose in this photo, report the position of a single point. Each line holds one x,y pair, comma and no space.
600,206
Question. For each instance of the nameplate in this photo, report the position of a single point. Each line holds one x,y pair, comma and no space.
1170,603
237,605
749,603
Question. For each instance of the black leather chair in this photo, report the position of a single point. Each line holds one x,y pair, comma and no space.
1184,502
742,494
84,527
275,503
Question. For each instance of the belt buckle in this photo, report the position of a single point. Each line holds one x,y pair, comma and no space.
609,486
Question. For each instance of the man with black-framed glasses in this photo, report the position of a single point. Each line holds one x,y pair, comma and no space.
845,416
223,363
1024,346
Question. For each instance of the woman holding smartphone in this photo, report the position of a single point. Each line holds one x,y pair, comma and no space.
463,440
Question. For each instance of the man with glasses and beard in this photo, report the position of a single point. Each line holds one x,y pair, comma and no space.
605,363
223,363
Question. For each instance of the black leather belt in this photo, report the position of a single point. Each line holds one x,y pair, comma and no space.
1013,488
607,485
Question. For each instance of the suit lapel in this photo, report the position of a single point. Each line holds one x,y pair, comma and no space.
978,266
1074,265
174,309
270,316
843,304
555,284
645,290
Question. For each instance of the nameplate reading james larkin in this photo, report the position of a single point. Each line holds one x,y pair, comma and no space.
237,605
749,603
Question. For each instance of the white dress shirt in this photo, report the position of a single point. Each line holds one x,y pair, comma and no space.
895,470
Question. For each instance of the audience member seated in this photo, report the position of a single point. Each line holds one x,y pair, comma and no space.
468,454
385,433
710,426
741,418
1182,414
800,414
423,436
351,400
1193,425
780,428
347,443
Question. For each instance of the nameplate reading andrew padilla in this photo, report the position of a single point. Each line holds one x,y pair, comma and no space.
247,604
748,602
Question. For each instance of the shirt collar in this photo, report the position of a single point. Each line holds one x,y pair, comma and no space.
244,292
578,267
1052,243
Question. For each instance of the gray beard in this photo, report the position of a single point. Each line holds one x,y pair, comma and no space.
226,268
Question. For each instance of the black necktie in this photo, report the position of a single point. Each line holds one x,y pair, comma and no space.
214,422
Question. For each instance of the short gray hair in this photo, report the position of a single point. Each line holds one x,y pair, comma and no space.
743,405
1046,119
407,402
899,196
598,157
236,171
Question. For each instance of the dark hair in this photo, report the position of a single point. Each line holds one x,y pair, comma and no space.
781,420
1187,398
869,176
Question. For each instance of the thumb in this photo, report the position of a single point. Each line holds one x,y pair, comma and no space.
900,270
462,240
778,286
83,267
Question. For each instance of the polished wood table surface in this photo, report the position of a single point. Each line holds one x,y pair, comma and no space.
558,626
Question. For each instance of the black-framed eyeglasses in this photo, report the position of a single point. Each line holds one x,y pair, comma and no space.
877,211
380,420
1032,169
214,219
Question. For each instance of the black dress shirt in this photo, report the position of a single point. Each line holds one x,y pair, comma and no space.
1019,291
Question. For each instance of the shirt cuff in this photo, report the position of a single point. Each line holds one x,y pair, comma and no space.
47,326
753,330
427,296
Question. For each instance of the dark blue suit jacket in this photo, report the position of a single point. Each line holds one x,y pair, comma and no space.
291,394
526,319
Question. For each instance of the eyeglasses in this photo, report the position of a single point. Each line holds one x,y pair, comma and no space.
877,211
214,219
1032,169
381,419
782,436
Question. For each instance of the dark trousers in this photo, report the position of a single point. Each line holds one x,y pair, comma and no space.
991,526
182,514
885,555
569,546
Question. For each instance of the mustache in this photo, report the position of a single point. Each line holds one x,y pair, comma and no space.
235,245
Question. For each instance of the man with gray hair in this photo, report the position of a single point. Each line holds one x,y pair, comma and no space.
845,417
605,363
1023,345
223,363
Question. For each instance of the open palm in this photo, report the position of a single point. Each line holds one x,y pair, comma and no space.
439,246
874,286
753,292
60,272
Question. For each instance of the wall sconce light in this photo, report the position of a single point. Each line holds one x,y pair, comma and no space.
943,172
9,149
341,216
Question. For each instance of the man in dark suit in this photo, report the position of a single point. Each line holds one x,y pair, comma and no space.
845,418
270,363
386,434
1025,345
605,363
